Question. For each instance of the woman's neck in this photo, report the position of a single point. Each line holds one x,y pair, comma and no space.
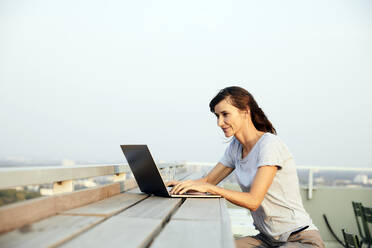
248,137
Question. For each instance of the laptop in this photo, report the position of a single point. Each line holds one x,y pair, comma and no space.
147,173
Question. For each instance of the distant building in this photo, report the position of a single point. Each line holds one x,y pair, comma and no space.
319,180
67,162
34,188
361,178
46,192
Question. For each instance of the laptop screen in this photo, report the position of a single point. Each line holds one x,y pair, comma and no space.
144,169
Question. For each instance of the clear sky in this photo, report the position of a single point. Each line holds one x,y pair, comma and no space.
78,78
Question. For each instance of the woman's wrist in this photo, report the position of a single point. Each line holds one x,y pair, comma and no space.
212,189
202,180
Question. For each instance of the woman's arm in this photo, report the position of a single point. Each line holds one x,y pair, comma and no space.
216,175
251,200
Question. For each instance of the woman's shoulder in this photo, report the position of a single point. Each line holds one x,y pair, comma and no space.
269,137
271,140
273,150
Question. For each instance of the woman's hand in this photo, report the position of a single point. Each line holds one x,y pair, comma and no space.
189,185
172,183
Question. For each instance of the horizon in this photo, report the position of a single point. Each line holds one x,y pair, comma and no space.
19,163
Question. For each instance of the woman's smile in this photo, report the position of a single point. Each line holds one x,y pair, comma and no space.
225,129
228,131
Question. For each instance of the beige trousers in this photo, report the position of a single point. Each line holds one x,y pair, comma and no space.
303,239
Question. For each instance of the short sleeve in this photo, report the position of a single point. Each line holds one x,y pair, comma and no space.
271,154
228,158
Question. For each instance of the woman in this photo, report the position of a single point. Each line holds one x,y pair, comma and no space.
265,171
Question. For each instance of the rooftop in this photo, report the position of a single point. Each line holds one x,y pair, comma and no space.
67,216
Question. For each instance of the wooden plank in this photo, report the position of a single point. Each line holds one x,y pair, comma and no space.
227,237
186,233
199,209
153,207
19,214
118,232
134,227
198,217
11,177
136,191
129,184
80,198
107,207
49,232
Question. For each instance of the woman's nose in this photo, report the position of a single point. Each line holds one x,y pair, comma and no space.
219,122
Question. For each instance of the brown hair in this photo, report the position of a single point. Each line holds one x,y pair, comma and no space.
242,99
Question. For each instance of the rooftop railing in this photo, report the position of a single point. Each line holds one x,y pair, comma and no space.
62,177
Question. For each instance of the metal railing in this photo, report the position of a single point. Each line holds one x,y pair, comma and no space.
63,176
310,187
313,169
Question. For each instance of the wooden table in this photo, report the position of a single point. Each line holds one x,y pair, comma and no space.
131,219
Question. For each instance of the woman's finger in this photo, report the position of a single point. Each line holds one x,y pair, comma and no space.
172,183
179,187
186,189
198,187
175,186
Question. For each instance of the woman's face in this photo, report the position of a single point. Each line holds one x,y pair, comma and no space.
230,118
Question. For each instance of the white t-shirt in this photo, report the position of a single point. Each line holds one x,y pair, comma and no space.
281,212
